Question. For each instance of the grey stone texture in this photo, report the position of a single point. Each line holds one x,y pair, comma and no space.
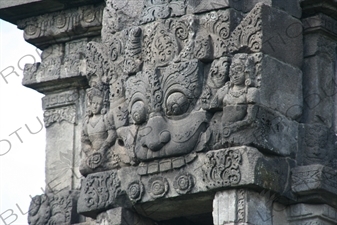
245,167
312,214
307,180
185,112
54,208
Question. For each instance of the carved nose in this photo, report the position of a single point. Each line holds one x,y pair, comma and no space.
165,137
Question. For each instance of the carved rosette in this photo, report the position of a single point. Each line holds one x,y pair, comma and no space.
135,191
183,183
158,187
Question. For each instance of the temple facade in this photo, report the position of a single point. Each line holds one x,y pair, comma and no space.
184,112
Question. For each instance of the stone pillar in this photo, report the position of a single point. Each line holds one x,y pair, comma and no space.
62,33
240,206
63,36
122,216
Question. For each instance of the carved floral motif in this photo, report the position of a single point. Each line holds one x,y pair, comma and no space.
247,35
222,168
67,113
100,190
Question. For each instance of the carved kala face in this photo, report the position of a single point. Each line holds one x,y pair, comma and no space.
96,105
237,74
162,105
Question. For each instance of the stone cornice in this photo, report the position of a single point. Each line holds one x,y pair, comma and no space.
12,11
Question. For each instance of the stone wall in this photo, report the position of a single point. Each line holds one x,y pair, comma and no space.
185,112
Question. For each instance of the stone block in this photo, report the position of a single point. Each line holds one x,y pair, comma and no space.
312,214
241,206
120,14
265,129
62,26
290,6
171,194
268,30
319,82
281,87
308,180
315,145
59,62
122,216
54,208
63,133
59,156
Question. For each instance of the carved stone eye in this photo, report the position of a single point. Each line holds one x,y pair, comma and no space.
138,112
177,104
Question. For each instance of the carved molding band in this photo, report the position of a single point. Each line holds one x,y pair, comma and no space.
67,113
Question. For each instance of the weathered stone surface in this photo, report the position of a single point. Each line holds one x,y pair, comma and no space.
311,7
267,30
58,62
291,7
312,214
63,26
100,191
241,206
122,216
269,132
13,11
307,180
319,93
245,166
63,133
316,145
54,208
185,99
281,87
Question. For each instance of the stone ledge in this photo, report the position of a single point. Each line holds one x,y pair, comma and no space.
152,195
12,11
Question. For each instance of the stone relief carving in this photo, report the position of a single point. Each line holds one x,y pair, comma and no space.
39,210
100,190
99,135
183,183
154,9
248,34
158,187
157,81
62,25
135,191
67,113
165,90
236,97
222,168
53,209
62,99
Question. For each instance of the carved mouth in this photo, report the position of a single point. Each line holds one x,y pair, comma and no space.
170,138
